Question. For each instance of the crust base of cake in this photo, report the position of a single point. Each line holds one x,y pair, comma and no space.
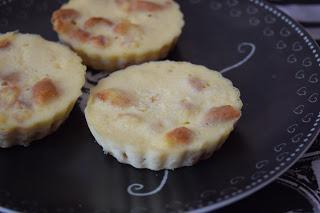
113,63
25,135
157,159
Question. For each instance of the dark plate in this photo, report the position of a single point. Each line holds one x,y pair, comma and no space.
273,62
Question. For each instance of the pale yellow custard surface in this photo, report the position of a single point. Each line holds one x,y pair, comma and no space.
39,83
111,34
163,115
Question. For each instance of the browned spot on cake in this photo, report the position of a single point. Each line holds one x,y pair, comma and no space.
9,95
145,6
124,27
80,34
44,91
5,43
61,26
115,97
181,135
100,41
65,14
92,22
219,114
64,22
197,84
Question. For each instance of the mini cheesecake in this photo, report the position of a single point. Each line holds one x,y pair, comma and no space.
163,115
112,34
40,82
